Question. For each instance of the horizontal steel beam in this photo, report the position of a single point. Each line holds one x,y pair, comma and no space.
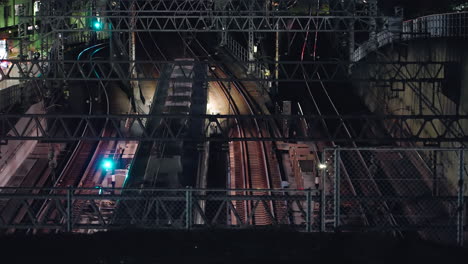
170,128
207,23
290,71
185,6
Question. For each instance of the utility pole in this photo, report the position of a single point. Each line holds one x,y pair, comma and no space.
23,21
351,40
218,7
251,41
132,56
373,23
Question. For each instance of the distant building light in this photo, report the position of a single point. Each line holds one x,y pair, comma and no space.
322,166
37,6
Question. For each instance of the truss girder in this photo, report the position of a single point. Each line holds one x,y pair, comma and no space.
190,6
211,23
290,71
361,128
152,208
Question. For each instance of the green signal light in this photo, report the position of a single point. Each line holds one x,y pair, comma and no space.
108,164
97,25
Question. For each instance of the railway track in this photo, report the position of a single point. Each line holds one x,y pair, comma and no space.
253,164
251,161
82,159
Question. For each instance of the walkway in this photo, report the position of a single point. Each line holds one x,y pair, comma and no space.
450,25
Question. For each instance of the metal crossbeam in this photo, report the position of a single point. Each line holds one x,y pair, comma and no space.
213,23
105,208
291,71
362,128
202,6
177,6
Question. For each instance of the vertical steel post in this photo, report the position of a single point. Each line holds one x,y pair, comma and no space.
323,201
435,191
351,39
460,211
188,208
336,170
69,208
309,210
251,41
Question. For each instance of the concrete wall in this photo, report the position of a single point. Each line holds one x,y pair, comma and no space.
15,152
380,98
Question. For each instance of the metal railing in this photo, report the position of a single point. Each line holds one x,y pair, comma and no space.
92,209
84,37
436,26
236,49
417,191
14,94
420,191
241,54
450,25
9,96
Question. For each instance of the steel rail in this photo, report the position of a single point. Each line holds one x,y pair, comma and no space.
81,146
244,207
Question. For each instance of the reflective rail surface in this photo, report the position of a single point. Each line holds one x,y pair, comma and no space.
450,25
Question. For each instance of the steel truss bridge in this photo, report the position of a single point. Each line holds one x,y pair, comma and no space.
65,128
59,22
62,24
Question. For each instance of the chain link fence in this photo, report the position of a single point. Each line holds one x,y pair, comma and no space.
88,210
405,192
401,191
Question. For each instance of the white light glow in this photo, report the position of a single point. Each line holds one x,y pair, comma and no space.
322,166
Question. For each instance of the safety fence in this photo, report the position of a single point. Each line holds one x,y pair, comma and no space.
85,37
241,54
403,191
14,94
87,210
453,25
439,25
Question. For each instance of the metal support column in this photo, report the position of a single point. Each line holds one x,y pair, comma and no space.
461,204
251,42
351,39
23,21
69,208
373,23
134,84
220,6
336,165
435,190
323,198
309,210
188,208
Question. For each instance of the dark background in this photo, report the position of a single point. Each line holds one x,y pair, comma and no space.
415,8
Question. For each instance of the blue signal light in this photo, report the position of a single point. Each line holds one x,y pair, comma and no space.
107,164
97,25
